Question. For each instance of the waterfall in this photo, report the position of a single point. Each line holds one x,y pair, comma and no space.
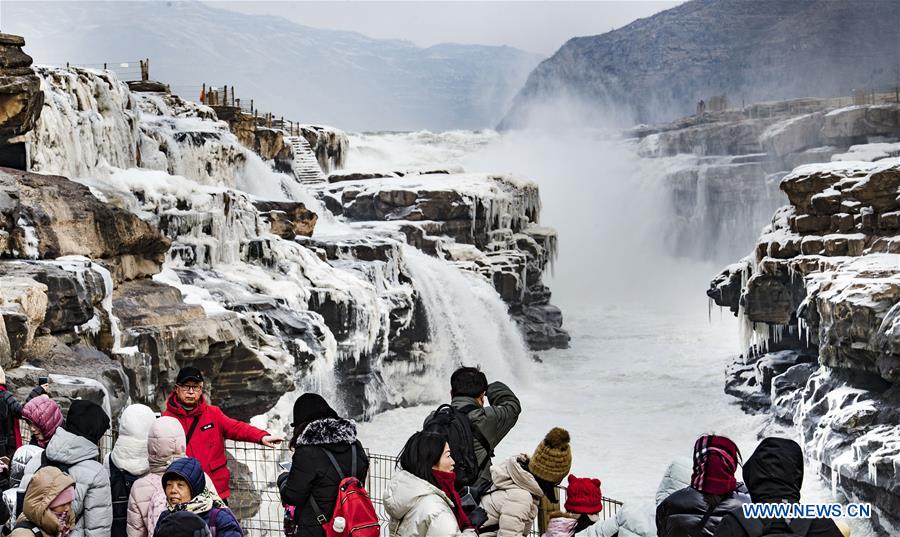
322,315
468,324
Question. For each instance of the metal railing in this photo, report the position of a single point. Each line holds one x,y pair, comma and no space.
224,96
256,501
126,71
257,504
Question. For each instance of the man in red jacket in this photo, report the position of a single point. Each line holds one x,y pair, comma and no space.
206,427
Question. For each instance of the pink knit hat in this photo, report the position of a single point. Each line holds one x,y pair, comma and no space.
64,497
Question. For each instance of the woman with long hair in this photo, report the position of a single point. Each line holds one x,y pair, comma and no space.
421,499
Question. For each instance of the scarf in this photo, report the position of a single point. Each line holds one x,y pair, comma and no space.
15,424
63,519
715,461
447,484
199,504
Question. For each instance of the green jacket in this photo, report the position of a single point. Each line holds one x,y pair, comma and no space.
494,421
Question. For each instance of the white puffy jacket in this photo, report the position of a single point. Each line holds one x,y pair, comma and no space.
419,509
633,519
512,504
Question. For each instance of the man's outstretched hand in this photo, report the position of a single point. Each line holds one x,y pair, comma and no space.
271,441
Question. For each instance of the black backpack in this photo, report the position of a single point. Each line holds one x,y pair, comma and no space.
461,435
120,483
756,527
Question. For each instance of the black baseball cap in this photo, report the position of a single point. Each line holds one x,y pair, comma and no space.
189,373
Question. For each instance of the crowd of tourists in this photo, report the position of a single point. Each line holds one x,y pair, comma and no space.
167,474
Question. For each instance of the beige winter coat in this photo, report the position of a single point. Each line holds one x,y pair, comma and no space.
46,484
513,504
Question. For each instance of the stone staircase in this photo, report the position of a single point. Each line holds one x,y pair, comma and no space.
305,165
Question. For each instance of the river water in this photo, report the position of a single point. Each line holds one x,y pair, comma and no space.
644,374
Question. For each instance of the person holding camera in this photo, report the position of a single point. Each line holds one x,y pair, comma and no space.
484,426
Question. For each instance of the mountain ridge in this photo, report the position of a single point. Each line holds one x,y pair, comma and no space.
658,67
332,76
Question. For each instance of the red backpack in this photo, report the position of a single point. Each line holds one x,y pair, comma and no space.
353,505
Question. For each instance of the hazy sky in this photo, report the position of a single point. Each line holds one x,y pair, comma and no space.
534,26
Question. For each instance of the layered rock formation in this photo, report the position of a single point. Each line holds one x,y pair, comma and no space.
659,67
176,244
329,145
487,224
721,170
20,95
818,301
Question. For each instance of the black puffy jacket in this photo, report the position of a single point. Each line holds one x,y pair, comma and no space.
774,474
681,513
313,475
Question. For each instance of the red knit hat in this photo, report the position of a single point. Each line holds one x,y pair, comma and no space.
583,495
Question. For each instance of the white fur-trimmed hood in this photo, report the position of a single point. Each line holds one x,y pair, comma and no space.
328,431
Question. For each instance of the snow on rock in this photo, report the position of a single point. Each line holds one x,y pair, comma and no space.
870,152
89,122
820,294
211,258
484,223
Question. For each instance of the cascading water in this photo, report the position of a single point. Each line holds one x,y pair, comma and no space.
468,324
88,123
186,173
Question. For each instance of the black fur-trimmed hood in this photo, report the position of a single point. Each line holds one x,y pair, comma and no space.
328,431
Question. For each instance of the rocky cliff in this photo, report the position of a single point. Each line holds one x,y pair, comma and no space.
146,236
659,67
482,223
720,170
819,306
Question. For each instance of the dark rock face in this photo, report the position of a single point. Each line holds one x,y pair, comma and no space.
660,66
48,216
70,300
21,98
492,224
819,302
330,146
288,219
148,86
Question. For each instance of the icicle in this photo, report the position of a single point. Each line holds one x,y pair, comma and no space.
31,241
